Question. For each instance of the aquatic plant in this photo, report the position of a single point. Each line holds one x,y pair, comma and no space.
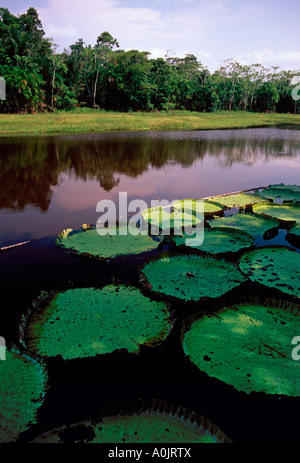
254,224
239,200
84,322
22,389
283,194
274,266
247,345
89,243
164,220
190,277
159,423
285,213
195,207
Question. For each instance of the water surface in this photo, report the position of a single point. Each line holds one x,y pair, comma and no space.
55,182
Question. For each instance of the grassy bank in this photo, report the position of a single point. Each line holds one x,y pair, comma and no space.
90,121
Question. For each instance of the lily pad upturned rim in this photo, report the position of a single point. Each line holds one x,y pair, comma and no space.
293,235
226,230
240,207
276,206
45,297
268,302
219,211
142,406
147,287
65,233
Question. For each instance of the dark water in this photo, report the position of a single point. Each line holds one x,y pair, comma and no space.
52,183
48,184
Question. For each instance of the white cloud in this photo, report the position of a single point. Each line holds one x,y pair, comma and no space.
268,56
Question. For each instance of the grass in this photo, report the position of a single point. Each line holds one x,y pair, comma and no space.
98,121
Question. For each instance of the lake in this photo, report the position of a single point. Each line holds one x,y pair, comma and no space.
55,182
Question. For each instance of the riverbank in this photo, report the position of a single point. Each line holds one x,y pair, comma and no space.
95,121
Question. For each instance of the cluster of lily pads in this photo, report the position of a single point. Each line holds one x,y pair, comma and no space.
245,344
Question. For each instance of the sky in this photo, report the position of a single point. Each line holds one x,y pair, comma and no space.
249,31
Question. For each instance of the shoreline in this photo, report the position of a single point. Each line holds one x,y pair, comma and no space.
78,122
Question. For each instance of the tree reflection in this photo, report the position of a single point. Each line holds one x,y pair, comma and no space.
31,167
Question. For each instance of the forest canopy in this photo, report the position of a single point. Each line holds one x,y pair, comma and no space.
38,78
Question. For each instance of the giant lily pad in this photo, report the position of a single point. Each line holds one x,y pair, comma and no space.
23,382
285,213
84,322
248,345
240,200
164,220
219,241
190,277
163,425
198,207
90,243
274,266
282,186
281,194
253,224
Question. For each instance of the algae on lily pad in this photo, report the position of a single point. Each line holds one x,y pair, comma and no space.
190,277
219,241
23,382
166,424
84,322
198,206
248,345
164,220
253,224
285,213
274,266
240,200
90,243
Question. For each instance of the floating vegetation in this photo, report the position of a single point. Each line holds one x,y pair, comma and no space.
240,200
91,244
22,389
161,423
84,322
248,345
293,236
219,241
164,220
197,207
282,194
282,186
285,213
254,224
190,277
274,266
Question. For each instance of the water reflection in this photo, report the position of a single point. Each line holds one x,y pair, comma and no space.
31,167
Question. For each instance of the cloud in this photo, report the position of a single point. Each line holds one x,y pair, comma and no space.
268,56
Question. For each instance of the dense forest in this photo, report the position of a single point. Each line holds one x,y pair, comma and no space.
107,77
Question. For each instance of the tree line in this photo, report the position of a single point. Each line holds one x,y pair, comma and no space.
38,78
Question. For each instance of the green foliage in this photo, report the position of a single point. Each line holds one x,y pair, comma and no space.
102,76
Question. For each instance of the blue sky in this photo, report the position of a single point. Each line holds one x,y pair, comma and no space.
253,31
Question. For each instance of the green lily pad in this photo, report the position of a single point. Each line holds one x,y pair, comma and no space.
248,345
240,200
274,266
164,220
282,186
22,389
84,322
253,224
164,425
285,213
219,241
285,195
90,243
190,277
197,207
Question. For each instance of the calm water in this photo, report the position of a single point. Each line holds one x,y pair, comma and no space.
52,183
